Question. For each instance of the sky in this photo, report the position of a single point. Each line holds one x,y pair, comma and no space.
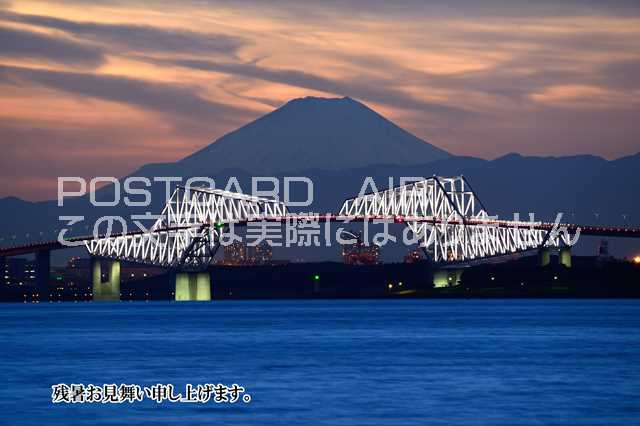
100,88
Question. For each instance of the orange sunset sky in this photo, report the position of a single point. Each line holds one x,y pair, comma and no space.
101,88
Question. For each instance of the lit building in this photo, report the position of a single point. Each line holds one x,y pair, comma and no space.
235,253
18,271
260,254
239,253
358,253
79,263
413,256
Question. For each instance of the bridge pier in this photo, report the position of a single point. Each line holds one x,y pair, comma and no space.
106,290
447,277
564,257
545,256
43,267
193,286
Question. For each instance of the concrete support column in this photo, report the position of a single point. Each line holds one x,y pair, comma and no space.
96,274
545,256
108,290
440,278
182,287
193,286
43,267
565,257
203,291
113,289
447,277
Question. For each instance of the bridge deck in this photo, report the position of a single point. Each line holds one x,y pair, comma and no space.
586,230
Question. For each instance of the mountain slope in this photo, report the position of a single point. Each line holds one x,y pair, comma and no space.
311,133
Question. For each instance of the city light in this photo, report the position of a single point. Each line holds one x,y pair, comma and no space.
636,260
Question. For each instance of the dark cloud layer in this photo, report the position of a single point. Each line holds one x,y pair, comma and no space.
137,38
410,8
176,101
361,87
475,77
623,74
21,44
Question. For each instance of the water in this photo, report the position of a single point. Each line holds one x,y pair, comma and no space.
385,362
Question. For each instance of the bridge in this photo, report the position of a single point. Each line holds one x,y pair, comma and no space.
443,213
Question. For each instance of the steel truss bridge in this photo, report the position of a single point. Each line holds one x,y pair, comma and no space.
443,213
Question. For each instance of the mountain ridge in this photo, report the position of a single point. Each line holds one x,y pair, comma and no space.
311,132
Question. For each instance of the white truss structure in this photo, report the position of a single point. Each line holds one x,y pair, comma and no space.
443,212
449,219
186,235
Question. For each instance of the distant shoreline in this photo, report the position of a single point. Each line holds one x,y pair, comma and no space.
587,278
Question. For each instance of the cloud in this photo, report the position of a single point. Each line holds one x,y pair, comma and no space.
21,44
362,87
177,102
477,78
623,74
337,11
137,38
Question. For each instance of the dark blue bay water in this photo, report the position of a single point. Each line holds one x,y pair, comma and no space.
385,362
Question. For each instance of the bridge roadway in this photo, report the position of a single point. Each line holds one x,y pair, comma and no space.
585,230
